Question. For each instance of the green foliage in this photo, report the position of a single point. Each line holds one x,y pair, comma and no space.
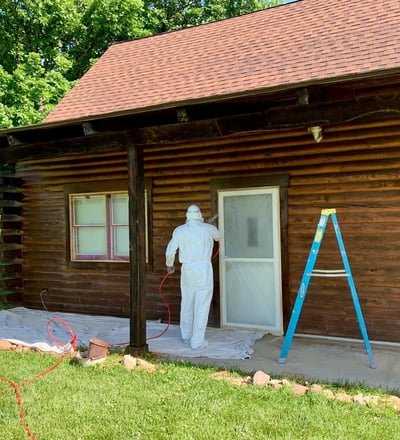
35,26
31,90
166,15
46,45
175,401
102,23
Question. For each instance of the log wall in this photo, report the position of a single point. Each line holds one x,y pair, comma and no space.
10,236
355,169
50,280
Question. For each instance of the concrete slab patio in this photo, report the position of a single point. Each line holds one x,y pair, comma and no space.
334,361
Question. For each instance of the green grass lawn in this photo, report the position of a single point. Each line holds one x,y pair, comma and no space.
176,401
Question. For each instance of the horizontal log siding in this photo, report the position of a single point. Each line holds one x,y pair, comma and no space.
355,169
97,288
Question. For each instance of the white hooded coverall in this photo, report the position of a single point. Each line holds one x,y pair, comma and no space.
195,241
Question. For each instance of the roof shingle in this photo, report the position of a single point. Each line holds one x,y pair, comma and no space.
297,43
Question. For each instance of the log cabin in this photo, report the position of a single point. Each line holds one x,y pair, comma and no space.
264,120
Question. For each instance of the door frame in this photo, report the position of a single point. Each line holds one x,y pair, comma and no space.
277,326
248,182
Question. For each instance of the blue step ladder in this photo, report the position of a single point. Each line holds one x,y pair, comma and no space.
309,271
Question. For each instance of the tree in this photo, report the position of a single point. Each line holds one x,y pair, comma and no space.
166,15
31,90
46,45
102,23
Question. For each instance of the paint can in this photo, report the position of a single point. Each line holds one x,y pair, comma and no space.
97,348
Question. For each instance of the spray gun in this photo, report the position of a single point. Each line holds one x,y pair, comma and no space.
212,219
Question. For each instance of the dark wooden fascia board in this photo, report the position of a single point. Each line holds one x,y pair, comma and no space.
370,108
75,142
85,144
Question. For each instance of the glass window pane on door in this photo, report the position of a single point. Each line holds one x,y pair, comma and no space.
247,228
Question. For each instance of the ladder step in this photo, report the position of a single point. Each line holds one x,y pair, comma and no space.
328,273
329,270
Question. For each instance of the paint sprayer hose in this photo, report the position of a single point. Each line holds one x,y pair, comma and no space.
166,305
68,348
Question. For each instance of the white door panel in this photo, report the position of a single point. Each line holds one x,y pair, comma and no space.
250,259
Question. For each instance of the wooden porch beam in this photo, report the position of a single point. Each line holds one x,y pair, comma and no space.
137,294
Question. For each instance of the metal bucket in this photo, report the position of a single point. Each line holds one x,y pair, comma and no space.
98,349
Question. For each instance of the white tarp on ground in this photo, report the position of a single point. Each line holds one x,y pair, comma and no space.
29,327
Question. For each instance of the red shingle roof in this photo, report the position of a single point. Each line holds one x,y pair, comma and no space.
304,42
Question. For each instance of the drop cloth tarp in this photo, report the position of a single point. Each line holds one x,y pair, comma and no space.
28,327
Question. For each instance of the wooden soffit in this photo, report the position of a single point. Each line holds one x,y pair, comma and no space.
188,124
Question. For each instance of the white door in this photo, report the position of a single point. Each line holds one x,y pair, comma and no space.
250,258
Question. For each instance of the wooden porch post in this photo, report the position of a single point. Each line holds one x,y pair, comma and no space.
137,341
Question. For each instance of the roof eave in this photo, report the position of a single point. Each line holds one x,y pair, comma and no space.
227,97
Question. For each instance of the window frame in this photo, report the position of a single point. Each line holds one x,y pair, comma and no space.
108,187
110,255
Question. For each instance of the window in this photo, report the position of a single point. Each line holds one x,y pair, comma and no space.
99,226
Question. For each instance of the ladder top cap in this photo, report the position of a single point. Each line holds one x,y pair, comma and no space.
328,211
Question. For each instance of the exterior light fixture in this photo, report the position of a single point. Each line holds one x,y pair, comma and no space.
316,131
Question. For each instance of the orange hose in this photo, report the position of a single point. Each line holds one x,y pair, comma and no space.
16,386
29,433
167,306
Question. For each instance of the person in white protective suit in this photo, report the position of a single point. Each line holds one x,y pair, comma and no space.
195,241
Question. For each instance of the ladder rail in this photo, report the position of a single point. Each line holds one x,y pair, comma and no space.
301,294
353,292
